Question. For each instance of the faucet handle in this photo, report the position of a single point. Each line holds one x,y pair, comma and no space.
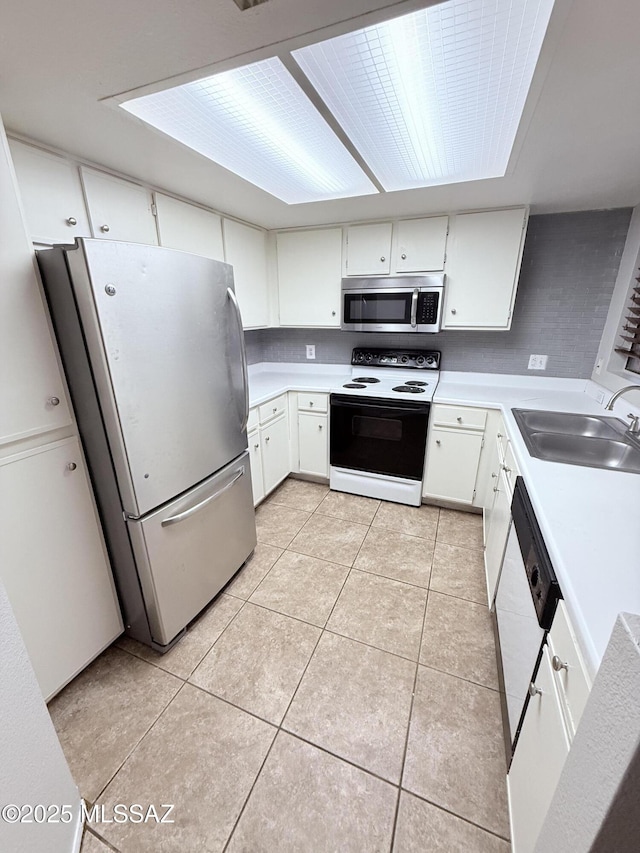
634,426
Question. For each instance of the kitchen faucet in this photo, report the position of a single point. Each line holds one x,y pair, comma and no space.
634,426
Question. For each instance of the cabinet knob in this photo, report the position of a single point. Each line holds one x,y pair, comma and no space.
54,401
105,229
310,403
506,470
72,221
320,426
71,466
333,313
267,438
496,489
382,258
494,476
533,690
558,664
438,442
499,435
459,420
275,410
256,446
403,256
453,311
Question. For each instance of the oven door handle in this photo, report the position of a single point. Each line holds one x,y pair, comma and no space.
414,308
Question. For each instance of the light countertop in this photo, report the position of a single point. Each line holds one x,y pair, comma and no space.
588,516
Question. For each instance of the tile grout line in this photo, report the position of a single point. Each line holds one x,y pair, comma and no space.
456,815
406,739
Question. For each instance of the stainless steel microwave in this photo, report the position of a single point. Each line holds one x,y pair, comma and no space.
407,304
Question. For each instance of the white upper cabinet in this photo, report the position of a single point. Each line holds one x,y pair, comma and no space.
245,248
33,392
483,265
51,195
309,275
119,210
189,228
368,249
420,244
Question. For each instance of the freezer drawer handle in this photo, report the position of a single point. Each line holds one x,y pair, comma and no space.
174,519
245,374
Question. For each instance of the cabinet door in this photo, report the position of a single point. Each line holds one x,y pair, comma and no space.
53,562
119,210
189,228
483,264
541,751
29,374
313,446
245,248
497,533
51,195
309,275
255,455
369,249
421,244
274,443
452,464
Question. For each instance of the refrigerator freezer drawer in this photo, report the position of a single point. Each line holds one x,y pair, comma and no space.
188,550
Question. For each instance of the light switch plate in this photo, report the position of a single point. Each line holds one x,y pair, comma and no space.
538,362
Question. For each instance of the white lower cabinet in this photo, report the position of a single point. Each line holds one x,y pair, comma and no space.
456,437
539,757
496,533
274,445
452,464
313,444
255,455
53,562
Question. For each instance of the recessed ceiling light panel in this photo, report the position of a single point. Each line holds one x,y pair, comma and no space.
257,122
435,96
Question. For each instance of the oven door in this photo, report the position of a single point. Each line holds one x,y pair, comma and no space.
378,436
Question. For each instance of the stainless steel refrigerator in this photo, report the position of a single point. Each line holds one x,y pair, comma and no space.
152,345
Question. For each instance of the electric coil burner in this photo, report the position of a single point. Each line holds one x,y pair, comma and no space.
378,442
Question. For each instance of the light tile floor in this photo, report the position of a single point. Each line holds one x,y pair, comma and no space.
340,695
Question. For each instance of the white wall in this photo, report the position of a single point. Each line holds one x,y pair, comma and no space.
611,373
33,768
594,807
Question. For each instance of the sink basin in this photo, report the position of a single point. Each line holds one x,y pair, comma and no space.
592,441
569,424
586,450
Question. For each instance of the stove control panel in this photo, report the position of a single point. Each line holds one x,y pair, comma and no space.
406,358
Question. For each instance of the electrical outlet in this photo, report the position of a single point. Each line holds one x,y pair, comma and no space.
538,362
311,350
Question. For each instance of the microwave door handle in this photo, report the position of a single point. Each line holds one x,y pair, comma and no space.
414,308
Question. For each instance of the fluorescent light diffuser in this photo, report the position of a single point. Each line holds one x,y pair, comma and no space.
435,96
257,122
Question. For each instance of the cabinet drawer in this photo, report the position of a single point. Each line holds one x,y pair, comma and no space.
458,416
313,402
273,408
573,681
253,421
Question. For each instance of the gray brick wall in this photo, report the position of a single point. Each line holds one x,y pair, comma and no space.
568,273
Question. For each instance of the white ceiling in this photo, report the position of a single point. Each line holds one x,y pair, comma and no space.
577,147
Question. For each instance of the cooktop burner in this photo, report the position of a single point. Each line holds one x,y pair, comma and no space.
354,385
415,382
370,380
408,389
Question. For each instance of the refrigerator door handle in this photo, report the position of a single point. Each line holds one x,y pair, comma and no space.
245,374
174,519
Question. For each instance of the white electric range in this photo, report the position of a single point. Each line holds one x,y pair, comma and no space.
379,421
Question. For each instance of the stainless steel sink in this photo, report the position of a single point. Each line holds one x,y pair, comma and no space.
570,424
592,441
